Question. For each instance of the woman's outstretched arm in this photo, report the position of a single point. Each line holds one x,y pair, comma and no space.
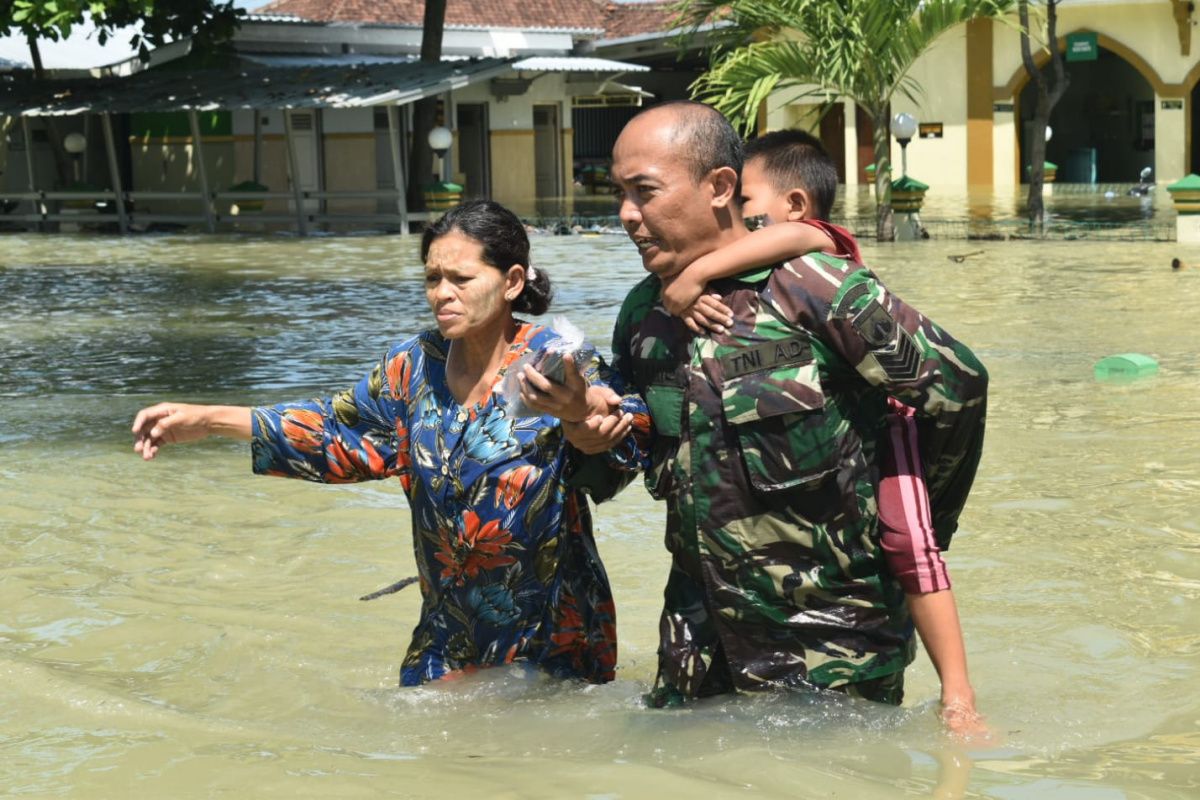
176,423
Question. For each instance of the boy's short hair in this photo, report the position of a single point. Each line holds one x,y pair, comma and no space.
797,159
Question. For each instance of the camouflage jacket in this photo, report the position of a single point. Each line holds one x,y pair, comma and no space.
763,447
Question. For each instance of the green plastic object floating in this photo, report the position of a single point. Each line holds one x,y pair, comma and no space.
1125,366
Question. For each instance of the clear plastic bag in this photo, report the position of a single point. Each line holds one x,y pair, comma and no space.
548,360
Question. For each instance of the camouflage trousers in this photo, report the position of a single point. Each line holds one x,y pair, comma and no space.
888,689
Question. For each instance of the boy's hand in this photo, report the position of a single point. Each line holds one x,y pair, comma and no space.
680,292
684,297
961,719
708,314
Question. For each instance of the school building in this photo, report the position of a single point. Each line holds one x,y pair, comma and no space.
313,102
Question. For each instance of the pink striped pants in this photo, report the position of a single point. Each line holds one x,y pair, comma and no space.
905,523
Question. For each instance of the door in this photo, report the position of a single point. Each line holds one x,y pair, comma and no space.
864,130
833,137
306,141
547,154
385,172
473,153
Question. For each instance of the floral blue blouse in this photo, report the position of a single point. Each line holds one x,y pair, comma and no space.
507,565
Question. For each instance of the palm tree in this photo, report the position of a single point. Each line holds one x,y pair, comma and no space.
861,50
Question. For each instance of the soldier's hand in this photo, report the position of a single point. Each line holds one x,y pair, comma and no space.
598,434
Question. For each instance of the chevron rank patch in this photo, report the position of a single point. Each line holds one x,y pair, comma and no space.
891,345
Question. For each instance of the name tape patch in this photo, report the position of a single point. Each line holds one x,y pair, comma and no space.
768,355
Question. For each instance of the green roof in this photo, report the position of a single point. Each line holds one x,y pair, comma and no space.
907,184
1189,184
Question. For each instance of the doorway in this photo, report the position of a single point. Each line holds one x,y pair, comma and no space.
547,156
473,156
306,141
1103,127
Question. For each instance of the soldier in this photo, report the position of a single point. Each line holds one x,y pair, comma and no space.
763,437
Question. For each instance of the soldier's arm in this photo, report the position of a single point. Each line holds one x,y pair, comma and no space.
895,347
603,475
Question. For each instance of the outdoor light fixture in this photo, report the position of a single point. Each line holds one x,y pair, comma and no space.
440,140
1049,132
904,128
74,143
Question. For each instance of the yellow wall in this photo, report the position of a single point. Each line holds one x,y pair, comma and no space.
1143,33
513,174
940,72
168,165
980,123
350,166
274,168
1147,31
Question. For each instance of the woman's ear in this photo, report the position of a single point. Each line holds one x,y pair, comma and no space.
724,181
514,282
800,206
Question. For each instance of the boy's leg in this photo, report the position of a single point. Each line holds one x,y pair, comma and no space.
905,519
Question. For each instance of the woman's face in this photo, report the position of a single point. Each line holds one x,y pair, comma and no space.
468,295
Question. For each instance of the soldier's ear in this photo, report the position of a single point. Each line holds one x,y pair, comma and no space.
800,205
724,181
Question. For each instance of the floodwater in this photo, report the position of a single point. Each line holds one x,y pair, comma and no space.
1116,205
183,629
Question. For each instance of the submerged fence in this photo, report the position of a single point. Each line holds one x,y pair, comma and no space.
132,210
949,229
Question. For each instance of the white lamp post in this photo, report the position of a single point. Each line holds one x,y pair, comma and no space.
440,139
904,128
75,143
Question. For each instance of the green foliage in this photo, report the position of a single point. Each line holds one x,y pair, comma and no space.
207,22
861,50
856,49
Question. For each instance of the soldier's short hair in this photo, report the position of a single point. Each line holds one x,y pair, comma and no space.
796,159
705,138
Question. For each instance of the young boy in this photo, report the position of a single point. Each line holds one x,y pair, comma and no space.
788,177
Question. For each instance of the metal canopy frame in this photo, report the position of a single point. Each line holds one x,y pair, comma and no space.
392,85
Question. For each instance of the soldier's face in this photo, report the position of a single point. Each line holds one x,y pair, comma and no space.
666,214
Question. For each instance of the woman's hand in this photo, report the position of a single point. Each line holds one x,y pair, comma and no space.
591,415
176,423
569,401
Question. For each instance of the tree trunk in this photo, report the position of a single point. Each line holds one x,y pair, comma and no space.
1048,95
885,219
420,160
62,161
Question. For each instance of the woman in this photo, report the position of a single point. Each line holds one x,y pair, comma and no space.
507,565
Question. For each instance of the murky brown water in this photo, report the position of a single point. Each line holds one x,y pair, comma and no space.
184,629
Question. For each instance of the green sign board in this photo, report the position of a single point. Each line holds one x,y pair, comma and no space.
1082,47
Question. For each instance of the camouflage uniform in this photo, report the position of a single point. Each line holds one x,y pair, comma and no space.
763,447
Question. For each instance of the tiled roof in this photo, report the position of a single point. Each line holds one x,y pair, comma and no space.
617,19
569,14
632,19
